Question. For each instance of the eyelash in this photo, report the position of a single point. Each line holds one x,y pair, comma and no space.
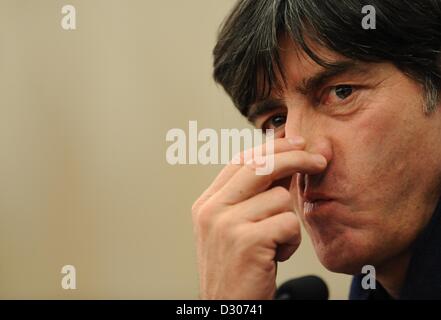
266,124
328,91
319,103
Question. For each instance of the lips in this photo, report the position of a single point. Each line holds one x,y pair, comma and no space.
314,198
316,206
308,193
313,201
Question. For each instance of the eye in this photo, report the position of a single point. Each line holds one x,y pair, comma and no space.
274,122
343,91
338,93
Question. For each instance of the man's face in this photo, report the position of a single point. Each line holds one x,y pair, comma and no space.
381,184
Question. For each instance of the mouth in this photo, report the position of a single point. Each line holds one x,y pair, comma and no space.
312,206
313,200
315,197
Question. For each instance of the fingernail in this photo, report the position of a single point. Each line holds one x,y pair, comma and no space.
319,159
296,141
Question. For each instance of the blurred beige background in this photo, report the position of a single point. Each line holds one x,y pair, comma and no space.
83,176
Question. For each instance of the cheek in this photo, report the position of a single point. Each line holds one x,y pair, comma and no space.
377,152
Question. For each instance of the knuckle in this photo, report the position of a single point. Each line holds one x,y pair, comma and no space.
204,214
282,194
199,203
202,221
195,207
291,224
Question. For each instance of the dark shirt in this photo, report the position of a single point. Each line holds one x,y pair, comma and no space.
423,277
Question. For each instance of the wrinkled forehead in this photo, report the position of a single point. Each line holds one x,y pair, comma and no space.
293,66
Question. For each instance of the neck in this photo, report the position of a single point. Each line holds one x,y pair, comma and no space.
392,274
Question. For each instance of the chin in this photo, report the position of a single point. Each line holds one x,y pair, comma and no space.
343,253
341,263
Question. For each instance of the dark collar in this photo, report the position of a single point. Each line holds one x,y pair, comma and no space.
423,278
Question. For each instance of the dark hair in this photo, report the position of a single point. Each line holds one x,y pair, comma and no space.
407,34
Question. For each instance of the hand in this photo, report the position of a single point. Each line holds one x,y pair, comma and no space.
243,225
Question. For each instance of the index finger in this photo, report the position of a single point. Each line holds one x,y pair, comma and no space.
246,184
280,145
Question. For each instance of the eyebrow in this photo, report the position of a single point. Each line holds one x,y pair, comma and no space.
307,86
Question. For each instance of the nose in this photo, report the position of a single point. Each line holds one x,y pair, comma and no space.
312,128
312,182
304,183
320,145
318,141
